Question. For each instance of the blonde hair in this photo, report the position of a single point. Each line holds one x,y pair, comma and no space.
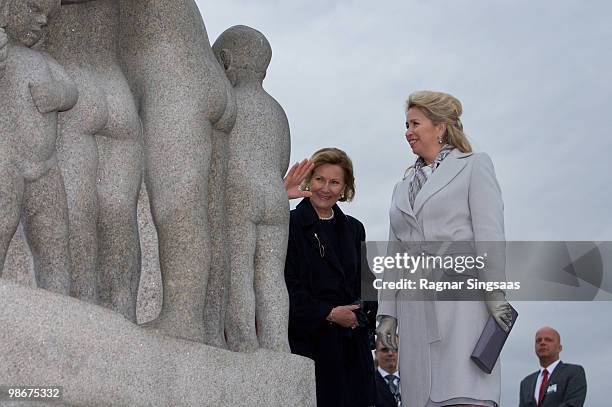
335,156
442,108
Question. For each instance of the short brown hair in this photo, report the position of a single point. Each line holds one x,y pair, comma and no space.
335,156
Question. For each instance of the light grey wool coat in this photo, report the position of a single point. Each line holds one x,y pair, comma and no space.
461,201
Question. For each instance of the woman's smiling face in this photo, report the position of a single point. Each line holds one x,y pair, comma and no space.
326,185
422,135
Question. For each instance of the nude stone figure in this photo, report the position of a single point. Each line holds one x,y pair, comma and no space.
33,88
187,109
257,204
100,154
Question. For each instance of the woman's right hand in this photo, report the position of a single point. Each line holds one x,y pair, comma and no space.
344,316
294,179
499,308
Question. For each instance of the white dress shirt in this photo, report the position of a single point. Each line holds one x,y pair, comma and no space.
384,373
550,368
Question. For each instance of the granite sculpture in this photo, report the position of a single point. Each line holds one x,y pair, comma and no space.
33,88
187,109
258,157
153,100
100,154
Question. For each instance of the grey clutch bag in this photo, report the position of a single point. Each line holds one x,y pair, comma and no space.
490,344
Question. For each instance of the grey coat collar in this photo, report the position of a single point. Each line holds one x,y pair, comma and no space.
448,169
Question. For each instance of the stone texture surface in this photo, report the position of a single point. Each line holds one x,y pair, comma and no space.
149,292
257,228
101,359
19,266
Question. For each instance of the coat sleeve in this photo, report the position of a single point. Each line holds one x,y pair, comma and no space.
487,212
366,289
386,297
370,304
576,390
306,313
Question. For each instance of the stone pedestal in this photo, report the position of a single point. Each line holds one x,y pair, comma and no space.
101,359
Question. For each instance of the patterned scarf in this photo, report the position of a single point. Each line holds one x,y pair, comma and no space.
420,177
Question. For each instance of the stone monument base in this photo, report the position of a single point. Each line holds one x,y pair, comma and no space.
101,359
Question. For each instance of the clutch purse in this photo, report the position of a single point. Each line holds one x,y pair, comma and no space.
490,344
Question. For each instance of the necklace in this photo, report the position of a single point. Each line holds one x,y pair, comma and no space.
329,217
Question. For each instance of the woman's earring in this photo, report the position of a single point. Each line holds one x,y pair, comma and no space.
342,196
440,141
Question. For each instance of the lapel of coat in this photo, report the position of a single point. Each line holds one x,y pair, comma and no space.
386,392
446,171
556,373
529,388
309,218
552,379
401,196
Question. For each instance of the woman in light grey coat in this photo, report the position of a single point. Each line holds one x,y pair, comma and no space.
449,195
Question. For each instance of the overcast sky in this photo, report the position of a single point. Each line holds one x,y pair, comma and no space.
535,80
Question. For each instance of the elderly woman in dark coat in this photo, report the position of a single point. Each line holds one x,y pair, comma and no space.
323,275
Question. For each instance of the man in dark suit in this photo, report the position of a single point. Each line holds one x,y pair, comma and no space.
556,384
387,377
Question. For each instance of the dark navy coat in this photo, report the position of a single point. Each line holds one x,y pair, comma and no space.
318,279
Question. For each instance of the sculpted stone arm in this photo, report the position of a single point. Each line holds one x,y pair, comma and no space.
57,95
487,211
3,51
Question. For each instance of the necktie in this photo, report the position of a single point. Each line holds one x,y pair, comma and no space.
393,382
543,385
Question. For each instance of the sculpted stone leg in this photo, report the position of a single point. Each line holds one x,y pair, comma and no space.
270,287
11,196
46,230
78,158
240,314
177,186
219,277
119,180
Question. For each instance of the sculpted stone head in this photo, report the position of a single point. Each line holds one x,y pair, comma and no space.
244,53
26,21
